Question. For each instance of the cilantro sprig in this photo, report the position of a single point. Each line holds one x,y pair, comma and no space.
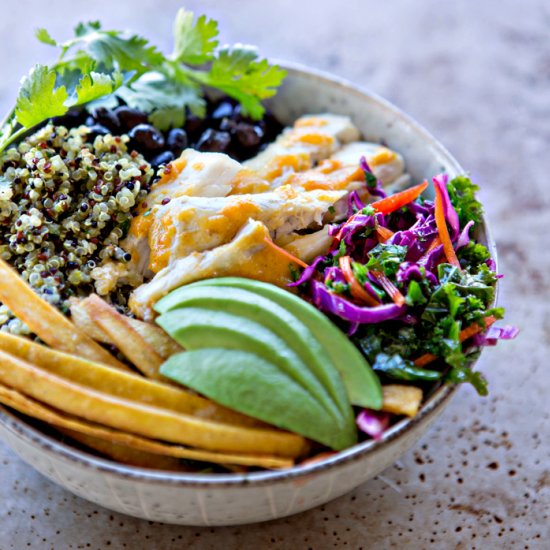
98,65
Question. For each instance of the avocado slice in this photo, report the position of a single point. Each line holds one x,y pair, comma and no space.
362,385
199,328
248,383
275,318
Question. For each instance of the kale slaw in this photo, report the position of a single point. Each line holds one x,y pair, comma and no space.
407,279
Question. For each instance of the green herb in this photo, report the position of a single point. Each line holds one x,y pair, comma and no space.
386,258
394,366
98,65
462,194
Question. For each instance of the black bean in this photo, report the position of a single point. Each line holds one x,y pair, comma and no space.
224,108
129,118
228,125
71,119
193,124
177,140
162,158
107,118
145,136
248,135
213,141
97,130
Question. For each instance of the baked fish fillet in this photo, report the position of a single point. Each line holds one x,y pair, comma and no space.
247,255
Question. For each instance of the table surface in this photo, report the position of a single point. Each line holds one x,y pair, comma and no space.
477,74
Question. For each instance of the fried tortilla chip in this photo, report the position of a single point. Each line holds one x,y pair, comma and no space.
48,322
399,399
144,420
122,334
65,422
121,384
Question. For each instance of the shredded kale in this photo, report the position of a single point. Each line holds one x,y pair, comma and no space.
462,194
386,258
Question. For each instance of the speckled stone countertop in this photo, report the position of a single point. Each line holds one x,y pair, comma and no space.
477,74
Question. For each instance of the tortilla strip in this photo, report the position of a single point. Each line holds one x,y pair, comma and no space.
400,399
128,341
143,419
152,334
48,322
122,453
121,384
37,410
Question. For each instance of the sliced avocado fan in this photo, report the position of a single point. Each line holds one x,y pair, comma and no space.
204,329
249,384
273,317
362,385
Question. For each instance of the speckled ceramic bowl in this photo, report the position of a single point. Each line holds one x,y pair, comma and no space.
202,499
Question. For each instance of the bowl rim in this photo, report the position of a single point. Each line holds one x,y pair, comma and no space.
32,435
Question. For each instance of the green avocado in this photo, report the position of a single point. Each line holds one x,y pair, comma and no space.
275,318
361,383
199,328
248,383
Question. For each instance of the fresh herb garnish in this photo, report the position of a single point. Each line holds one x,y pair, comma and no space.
101,65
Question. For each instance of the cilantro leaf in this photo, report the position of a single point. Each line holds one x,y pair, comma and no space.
44,36
165,100
111,50
237,72
194,43
95,85
39,98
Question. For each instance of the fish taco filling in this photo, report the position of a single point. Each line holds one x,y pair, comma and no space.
253,295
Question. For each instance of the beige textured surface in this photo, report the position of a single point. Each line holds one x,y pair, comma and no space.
477,74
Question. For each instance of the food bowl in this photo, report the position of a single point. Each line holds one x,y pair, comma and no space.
229,499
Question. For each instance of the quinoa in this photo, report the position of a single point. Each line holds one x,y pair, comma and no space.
65,205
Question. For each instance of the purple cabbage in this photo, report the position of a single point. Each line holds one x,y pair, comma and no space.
376,191
464,237
451,216
373,423
410,271
341,307
354,201
308,272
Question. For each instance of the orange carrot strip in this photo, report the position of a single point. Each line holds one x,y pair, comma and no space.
284,252
465,334
395,202
389,287
357,291
383,233
443,230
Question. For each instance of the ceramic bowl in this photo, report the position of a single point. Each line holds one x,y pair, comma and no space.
203,499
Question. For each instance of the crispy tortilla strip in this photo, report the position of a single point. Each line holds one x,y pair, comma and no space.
46,321
124,454
37,410
143,419
152,334
128,341
121,384
400,399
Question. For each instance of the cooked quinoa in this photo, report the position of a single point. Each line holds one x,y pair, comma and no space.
65,205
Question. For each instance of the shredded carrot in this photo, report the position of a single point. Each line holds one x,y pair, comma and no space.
395,202
383,233
389,287
443,230
357,291
434,244
284,252
465,334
